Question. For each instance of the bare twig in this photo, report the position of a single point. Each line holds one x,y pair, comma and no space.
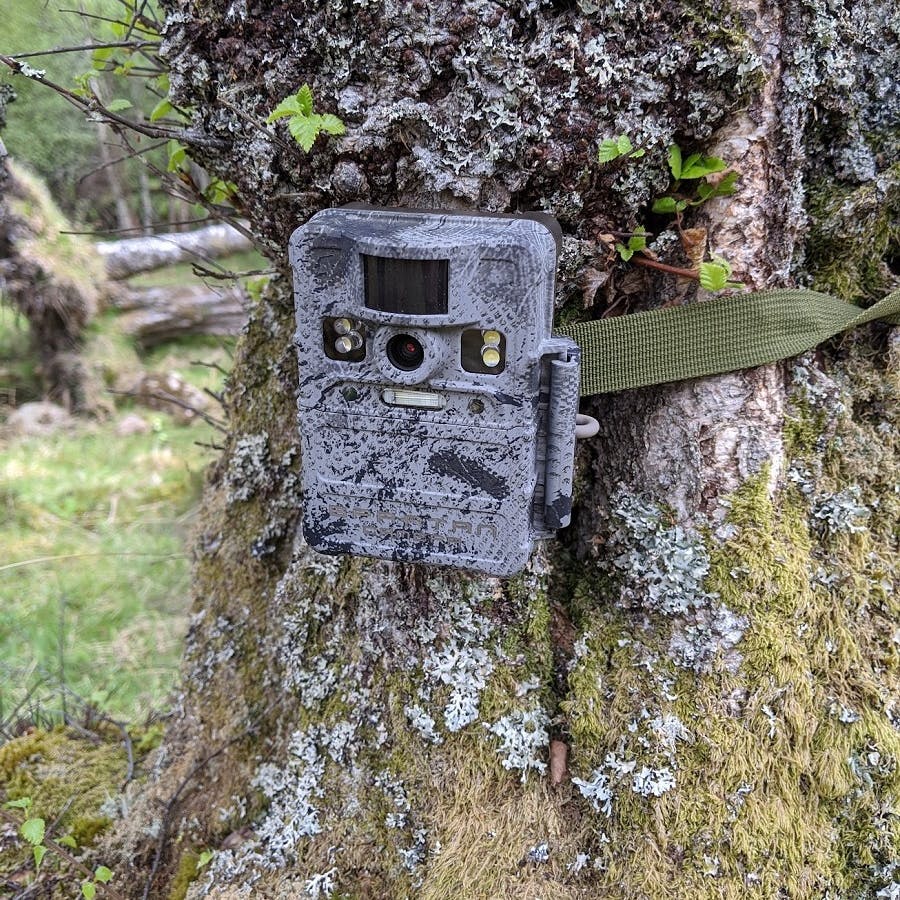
87,15
210,365
134,45
208,446
43,559
109,231
119,159
173,800
164,398
664,267
226,274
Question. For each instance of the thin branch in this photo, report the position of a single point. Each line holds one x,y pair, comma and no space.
42,559
119,159
227,275
93,106
104,232
87,15
163,398
134,45
210,365
664,267
173,800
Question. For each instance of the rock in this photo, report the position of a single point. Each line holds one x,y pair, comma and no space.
132,424
38,419
169,392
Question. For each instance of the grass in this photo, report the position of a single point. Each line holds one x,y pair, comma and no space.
94,578
94,573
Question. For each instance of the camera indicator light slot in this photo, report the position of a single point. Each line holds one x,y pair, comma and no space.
413,399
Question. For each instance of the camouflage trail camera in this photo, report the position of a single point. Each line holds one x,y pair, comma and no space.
437,411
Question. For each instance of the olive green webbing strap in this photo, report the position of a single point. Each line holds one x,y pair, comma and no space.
713,336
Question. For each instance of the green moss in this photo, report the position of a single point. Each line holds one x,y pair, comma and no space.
791,763
68,778
853,229
64,774
185,874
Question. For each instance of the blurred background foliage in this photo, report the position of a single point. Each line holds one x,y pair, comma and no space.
58,142
95,517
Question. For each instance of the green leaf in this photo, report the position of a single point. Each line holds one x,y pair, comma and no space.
118,104
88,890
39,852
304,131
624,252
103,874
119,29
714,275
305,100
177,155
205,857
727,186
675,161
33,831
288,107
624,145
698,166
680,205
161,109
21,803
100,56
637,242
67,841
609,150
331,124
664,205
637,154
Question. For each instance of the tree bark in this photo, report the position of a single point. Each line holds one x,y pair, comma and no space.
712,644
144,254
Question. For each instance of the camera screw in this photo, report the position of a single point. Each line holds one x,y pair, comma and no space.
350,393
476,406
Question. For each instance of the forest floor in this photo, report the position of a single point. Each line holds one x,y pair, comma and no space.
94,528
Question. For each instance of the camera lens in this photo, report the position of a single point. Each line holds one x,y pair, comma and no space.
405,352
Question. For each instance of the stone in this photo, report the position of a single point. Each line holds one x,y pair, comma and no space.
38,419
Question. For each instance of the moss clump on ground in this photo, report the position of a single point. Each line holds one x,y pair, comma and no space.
74,781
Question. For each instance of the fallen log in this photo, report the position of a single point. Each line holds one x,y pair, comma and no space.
155,315
143,254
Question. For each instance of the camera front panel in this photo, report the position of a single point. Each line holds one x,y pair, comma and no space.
420,339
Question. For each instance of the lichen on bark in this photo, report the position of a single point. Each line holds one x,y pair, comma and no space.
363,729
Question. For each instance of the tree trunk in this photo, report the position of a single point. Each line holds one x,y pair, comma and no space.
711,646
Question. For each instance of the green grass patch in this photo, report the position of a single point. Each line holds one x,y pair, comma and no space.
94,578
